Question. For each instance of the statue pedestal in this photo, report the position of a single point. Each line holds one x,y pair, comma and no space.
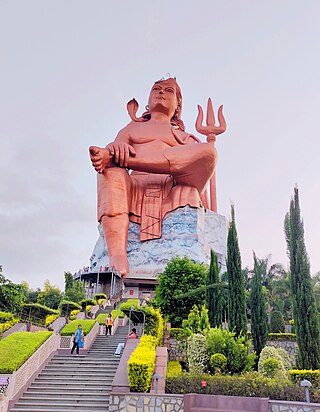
185,232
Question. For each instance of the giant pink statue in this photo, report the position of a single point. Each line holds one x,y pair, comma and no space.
169,169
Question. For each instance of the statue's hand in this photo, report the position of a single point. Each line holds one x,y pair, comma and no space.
100,158
121,153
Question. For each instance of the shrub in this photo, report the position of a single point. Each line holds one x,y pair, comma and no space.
271,352
50,319
285,358
73,314
100,301
5,317
178,333
86,302
88,308
141,364
71,327
297,375
174,369
282,336
277,323
235,349
7,320
218,362
198,358
293,328
67,306
247,384
270,367
16,348
98,296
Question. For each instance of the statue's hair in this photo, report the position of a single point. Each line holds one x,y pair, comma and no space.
176,118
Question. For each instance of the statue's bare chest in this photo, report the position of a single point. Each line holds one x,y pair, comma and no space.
144,134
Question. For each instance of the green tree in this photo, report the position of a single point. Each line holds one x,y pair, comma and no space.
68,282
179,276
76,293
12,295
214,294
303,300
50,296
259,317
237,298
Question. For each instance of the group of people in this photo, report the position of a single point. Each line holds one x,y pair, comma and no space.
78,338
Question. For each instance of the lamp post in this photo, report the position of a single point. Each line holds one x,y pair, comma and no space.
306,384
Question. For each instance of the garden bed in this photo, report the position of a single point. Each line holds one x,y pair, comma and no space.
247,384
18,347
71,327
116,313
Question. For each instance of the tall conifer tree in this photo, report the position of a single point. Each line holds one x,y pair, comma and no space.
259,317
302,295
214,294
237,299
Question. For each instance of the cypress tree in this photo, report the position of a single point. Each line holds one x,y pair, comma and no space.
214,294
302,295
259,317
237,298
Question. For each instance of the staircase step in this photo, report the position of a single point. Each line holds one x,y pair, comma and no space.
66,395
64,388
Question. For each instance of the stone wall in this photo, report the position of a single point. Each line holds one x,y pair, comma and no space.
177,350
283,406
289,346
144,402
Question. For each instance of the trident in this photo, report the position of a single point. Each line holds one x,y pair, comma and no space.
211,131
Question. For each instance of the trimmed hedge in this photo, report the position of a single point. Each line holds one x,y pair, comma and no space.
67,306
248,384
297,375
86,302
71,327
178,333
279,336
174,368
116,313
153,323
16,348
282,336
36,313
73,314
141,364
98,296
50,319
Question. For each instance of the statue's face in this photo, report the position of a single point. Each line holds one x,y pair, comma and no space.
163,97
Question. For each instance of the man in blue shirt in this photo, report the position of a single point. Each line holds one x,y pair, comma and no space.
78,336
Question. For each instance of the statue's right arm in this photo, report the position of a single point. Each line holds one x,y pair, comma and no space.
121,149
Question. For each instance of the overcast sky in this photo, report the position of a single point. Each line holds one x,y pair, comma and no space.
67,70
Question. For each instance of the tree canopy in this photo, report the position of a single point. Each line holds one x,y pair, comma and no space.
180,276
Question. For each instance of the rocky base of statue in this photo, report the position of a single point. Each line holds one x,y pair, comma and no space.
185,232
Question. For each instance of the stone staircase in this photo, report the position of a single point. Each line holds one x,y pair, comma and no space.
75,383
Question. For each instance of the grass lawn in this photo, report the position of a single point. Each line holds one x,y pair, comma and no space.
101,319
18,347
71,327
